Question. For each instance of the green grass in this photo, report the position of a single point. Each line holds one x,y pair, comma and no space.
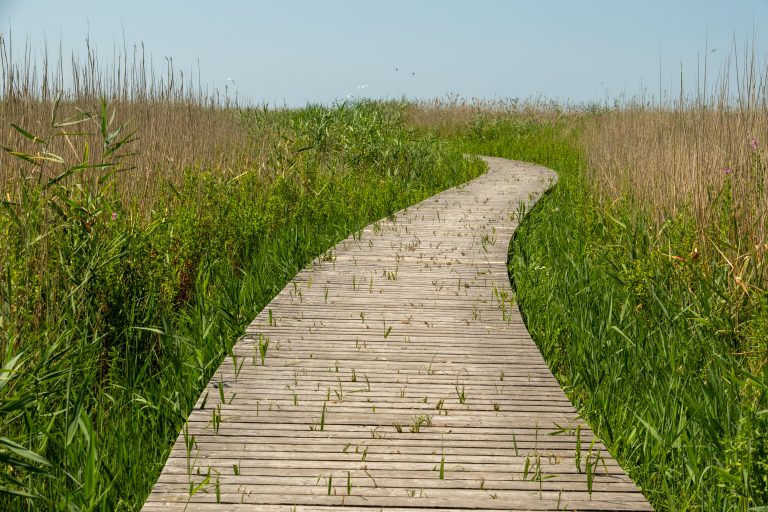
111,323
650,348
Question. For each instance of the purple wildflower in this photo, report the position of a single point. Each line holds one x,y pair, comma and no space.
727,170
753,144
114,216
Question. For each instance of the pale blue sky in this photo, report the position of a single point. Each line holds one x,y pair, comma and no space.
295,52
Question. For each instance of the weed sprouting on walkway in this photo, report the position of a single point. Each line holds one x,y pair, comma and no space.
421,390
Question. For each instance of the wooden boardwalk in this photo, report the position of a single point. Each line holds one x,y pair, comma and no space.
397,375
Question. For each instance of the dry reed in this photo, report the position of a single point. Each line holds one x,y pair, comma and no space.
181,125
669,161
704,157
452,115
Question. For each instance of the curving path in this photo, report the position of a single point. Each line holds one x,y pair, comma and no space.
397,375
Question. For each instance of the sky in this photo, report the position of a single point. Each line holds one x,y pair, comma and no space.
293,52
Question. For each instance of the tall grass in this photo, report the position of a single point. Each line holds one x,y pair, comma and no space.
128,270
136,243
645,345
181,124
643,282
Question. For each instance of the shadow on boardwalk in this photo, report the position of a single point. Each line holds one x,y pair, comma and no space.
396,373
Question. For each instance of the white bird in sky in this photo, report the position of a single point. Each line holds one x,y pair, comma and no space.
363,86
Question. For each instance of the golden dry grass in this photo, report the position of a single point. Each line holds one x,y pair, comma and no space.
173,139
181,126
693,160
453,115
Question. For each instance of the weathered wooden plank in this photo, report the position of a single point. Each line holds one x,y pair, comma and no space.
364,488
213,445
398,375
361,481
529,500
235,433
204,507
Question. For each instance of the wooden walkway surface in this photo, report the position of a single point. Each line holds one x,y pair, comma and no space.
397,374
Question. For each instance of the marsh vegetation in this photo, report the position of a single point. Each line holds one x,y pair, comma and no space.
145,221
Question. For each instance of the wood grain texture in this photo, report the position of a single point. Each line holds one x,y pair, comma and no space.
397,375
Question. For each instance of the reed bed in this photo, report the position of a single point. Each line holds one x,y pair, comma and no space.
177,123
453,115
642,275
642,278
708,162
697,171
143,224
145,220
